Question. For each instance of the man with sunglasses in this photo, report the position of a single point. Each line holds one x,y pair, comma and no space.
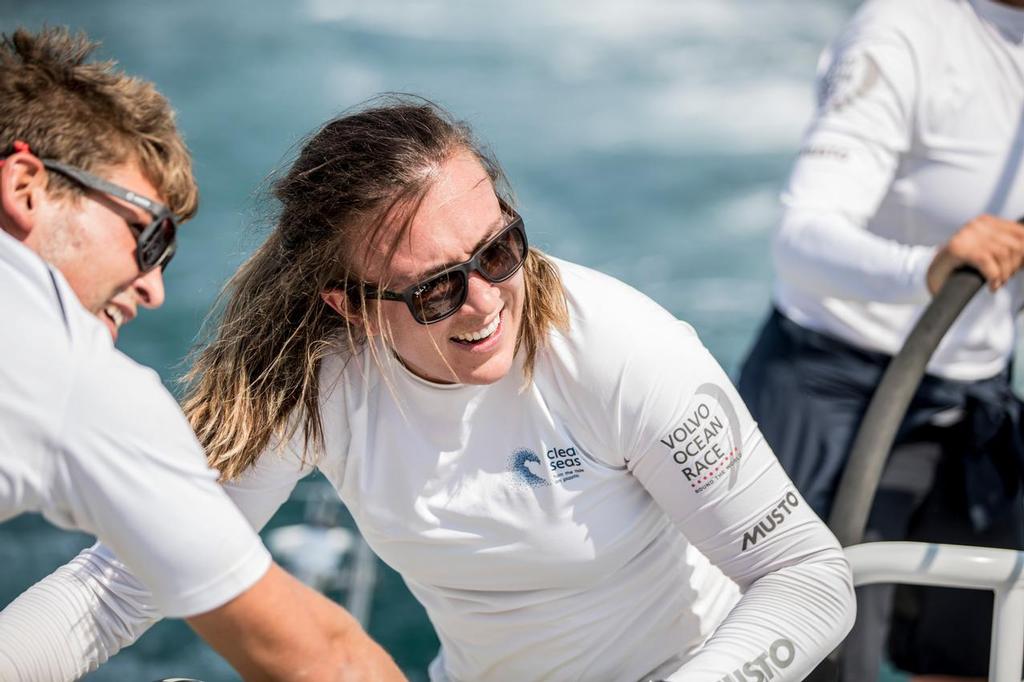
152,227
92,174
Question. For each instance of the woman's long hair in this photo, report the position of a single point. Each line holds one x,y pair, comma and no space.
257,380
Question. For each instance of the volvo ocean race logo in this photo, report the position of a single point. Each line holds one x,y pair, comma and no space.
519,464
773,518
704,443
779,656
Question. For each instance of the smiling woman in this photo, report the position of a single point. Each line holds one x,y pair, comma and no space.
461,324
503,427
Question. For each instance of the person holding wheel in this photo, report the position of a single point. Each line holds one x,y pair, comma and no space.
910,168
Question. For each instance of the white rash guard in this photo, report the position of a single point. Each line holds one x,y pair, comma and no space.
93,441
593,525
920,128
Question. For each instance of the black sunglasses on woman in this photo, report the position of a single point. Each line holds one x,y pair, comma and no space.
441,295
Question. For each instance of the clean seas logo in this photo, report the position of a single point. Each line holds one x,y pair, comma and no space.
563,465
519,465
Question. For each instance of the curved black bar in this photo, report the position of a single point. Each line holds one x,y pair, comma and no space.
889,404
877,432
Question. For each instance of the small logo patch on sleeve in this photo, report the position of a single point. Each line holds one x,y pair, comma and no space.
767,666
773,517
849,77
705,443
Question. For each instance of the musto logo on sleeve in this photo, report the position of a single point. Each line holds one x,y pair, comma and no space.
705,443
772,519
767,666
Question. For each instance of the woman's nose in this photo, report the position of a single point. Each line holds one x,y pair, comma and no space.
481,295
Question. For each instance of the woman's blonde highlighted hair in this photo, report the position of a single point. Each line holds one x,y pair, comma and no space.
257,380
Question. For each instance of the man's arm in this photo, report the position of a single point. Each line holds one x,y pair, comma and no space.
867,84
279,629
136,478
75,619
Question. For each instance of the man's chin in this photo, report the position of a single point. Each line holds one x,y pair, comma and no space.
109,324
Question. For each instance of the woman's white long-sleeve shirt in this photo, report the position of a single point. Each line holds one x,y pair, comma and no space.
920,128
619,518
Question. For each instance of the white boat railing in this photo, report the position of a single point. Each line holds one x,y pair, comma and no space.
980,568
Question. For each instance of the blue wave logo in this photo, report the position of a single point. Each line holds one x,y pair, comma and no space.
517,465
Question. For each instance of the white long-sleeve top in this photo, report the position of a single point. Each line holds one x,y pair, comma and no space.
619,518
920,128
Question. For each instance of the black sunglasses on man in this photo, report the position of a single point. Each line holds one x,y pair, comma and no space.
156,243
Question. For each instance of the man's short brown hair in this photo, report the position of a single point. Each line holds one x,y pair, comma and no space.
89,114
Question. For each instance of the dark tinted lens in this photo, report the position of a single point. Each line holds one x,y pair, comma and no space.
168,255
156,244
502,258
437,297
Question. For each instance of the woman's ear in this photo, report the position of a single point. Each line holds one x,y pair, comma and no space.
342,303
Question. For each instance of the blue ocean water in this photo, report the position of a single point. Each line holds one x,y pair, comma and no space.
647,139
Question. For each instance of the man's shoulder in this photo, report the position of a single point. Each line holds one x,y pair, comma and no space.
36,344
60,361
913,21
45,315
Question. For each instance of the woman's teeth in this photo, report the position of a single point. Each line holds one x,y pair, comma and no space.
482,333
115,314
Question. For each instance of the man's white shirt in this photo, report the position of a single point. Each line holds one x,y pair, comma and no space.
94,442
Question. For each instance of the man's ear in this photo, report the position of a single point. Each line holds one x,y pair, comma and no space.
342,304
23,182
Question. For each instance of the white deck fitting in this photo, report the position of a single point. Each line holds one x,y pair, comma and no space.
980,568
